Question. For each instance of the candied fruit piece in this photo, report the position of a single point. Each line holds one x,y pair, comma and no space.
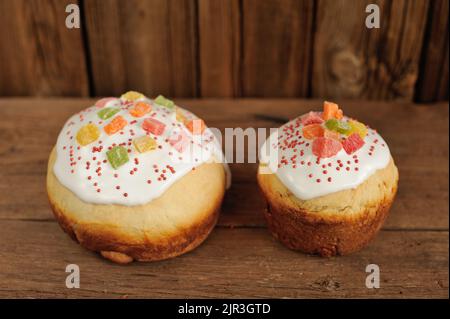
311,118
358,127
140,109
153,126
332,134
325,147
339,114
117,156
88,134
312,131
161,100
103,102
180,116
352,143
144,144
132,96
329,110
107,112
338,126
115,125
179,141
196,126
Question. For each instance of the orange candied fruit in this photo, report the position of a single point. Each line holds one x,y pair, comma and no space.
332,134
330,110
196,126
312,131
140,109
115,125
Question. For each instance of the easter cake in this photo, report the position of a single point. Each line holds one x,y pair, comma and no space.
329,182
136,179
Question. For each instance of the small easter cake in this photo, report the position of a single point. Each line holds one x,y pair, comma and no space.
329,182
136,179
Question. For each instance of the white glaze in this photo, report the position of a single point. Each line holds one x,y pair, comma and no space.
138,191
302,178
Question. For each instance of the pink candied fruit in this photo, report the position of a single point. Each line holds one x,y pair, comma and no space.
179,142
325,147
153,126
311,118
352,143
104,101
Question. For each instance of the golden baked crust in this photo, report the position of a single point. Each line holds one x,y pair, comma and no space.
173,224
335,224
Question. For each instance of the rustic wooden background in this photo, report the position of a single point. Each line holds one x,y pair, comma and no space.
226,48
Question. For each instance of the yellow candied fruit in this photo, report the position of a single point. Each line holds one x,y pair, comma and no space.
132,96
88,134
144,144
180,116
357,127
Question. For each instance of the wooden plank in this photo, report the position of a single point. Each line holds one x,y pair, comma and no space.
148,46
39,55
231,263
432,84
276,40
219,48
422,201
351,61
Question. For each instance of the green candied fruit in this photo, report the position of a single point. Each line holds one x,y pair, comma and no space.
117,156
107,112
161,100
338,126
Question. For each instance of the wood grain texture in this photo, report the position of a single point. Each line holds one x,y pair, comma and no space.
432,84
39,56
219,48
276,48
144,45
238,263
352,61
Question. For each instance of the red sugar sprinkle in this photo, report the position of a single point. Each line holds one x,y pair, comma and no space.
318,180
89,177
149,181
347,168
117,187
325,171
98,190
329,179
95,184
125,194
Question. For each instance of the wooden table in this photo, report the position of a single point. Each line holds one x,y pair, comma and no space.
240,258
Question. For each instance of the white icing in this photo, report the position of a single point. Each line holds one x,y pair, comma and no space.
302,178
113,184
